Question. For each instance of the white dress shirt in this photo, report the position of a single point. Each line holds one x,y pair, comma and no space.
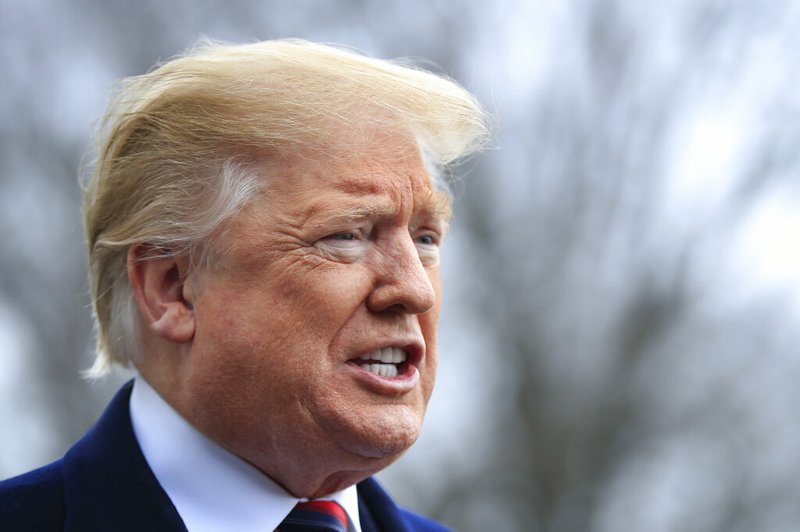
212,489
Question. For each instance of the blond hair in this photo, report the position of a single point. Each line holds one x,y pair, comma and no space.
176,148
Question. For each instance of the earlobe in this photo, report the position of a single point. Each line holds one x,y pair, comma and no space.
164,298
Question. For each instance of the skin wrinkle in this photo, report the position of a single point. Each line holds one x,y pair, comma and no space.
437,209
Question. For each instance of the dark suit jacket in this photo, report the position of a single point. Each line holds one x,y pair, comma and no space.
103,483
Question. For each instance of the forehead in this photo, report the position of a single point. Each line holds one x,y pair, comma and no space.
370,177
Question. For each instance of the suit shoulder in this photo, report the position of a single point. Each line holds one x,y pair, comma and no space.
379,512
418,523
33,501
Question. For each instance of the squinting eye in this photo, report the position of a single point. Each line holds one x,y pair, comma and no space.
344,235
344,246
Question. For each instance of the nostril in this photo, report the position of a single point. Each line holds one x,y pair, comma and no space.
400,300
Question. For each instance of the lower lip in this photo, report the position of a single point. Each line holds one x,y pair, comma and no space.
403,383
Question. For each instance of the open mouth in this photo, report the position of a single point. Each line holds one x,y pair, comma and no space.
385,362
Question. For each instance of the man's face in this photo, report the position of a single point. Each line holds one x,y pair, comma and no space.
318,332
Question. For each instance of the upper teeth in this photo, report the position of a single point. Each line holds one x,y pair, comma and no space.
387,355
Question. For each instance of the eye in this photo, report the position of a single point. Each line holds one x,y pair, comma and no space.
428,248
343,237
343,246
428,240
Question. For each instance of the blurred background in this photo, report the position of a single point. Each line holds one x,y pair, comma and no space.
619,341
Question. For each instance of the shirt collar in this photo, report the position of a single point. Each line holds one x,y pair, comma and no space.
211,488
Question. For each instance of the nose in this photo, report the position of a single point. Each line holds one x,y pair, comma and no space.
402,284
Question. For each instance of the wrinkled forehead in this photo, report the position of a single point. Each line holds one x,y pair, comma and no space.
378,200
363,146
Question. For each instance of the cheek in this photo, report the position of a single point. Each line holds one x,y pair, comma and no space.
287,311
428,371
430,320
324,297
429,323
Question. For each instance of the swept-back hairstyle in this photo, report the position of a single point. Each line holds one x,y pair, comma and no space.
176,147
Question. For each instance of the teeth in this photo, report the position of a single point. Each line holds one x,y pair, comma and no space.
384,370
387,355
398,355
383,361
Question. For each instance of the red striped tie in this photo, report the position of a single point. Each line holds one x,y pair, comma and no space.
315,516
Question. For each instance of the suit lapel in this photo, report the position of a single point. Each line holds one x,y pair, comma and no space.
107,480
376,510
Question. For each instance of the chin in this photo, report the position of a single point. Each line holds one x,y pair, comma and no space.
385,446
384,437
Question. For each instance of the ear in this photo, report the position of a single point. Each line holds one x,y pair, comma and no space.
164,298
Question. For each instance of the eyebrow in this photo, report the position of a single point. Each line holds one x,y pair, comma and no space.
437,205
